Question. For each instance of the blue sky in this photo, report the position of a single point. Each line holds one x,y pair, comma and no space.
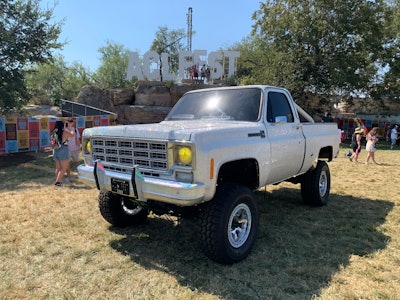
89,24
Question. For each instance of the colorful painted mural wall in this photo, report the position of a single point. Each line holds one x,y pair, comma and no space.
32,134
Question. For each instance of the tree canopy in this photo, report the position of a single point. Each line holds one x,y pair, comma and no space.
27,36
168,41
53,80
318,46
113,68
391,79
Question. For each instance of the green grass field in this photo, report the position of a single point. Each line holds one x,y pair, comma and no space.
55,245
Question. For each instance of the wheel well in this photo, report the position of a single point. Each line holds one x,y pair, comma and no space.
326,152
244,171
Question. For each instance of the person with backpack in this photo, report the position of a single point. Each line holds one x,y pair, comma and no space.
356,143
74,147
60,136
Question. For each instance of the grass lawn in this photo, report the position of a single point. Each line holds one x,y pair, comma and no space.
54,244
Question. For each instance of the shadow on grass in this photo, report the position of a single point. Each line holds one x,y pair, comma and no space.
297,251
17,170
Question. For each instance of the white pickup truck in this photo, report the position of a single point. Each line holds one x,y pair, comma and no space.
215,147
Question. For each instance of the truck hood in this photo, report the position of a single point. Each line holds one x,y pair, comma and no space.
169,130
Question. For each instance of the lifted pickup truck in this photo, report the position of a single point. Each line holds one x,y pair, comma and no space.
215,147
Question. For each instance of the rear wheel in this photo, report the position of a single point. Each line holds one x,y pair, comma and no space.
316,184
120,211
229,224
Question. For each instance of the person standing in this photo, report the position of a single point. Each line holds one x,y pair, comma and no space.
370,147
74,147
61,155
196,74
356,143
203,73
393,136
191,74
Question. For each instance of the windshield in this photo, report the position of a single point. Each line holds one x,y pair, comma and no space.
226,104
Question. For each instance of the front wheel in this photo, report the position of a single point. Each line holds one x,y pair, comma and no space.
316,184
121,211
229,224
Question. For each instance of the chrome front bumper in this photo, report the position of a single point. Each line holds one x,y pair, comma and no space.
137,186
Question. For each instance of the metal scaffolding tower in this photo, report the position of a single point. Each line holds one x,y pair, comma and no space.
189,30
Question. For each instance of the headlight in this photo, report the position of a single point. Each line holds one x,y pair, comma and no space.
86,147
185,155
89,147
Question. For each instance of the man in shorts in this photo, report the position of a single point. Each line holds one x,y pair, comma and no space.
74,146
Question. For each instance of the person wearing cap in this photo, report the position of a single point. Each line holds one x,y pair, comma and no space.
356,143
74,147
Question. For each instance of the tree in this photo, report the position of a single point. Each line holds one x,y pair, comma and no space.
54,80
26,37
112,71
75,78
168,42
259,64
391,81
320,47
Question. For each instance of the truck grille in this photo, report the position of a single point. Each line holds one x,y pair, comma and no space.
118,154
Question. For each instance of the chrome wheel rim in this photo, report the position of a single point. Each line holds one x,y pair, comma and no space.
129,207
323,184
239,225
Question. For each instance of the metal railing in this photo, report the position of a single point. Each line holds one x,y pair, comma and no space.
73,109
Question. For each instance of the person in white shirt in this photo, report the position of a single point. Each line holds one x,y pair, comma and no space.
370,147
393,136
74,146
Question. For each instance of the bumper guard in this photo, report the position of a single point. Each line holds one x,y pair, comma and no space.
135,185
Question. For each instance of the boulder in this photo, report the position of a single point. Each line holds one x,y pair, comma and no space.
122,96
141,114
152,93
96,97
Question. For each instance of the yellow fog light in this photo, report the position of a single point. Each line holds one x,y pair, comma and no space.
185,155
89,147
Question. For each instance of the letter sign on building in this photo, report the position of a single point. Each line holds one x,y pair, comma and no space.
148,67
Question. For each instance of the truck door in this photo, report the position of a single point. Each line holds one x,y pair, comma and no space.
285,135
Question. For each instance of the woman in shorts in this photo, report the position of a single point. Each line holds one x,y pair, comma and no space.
356,143
61,155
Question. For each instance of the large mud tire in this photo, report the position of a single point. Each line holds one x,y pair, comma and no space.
228,224
316,184
120,211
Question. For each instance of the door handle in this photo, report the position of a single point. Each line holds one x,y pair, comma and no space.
260,134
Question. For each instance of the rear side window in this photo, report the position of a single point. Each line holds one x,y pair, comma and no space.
278,108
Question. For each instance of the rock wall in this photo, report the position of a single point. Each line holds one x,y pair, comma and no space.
152,100
149,102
